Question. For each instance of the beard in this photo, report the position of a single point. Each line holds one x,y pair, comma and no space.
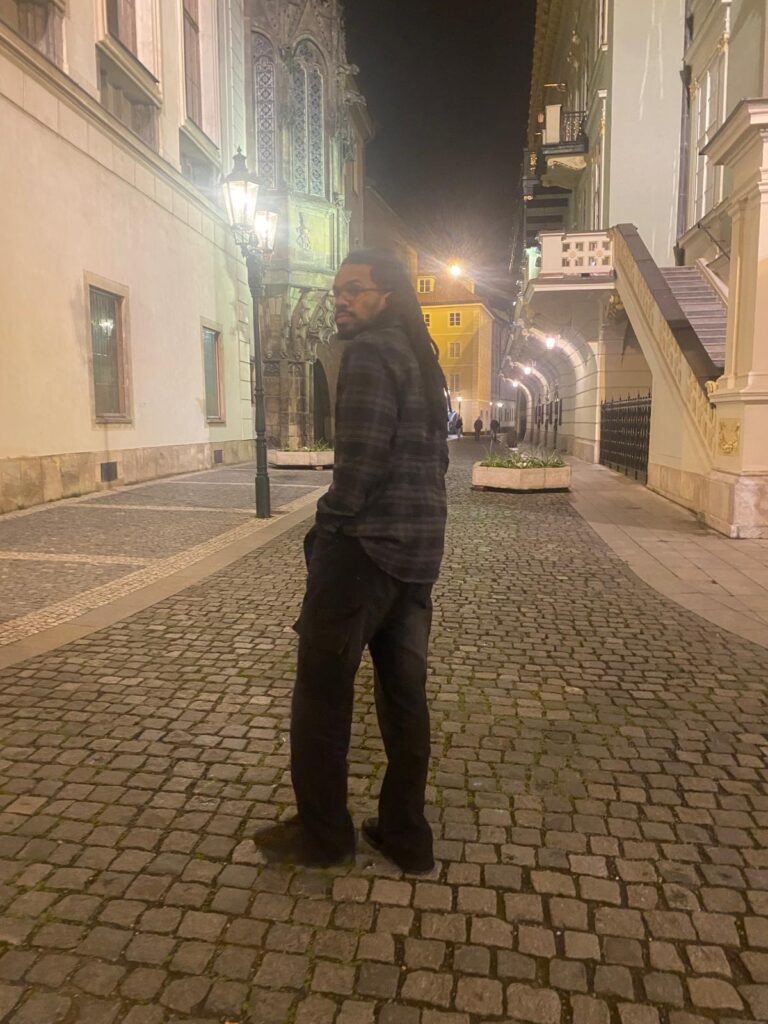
349,330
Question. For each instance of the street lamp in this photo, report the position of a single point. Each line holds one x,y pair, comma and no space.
254,227
527,370
455,270
550,343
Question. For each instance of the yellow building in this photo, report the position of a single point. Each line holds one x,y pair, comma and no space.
470,337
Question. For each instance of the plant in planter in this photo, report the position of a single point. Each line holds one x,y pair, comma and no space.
522,471
315,456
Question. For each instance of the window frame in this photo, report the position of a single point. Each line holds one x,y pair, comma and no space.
114,11
706,118
454,350
429,285
427,319
309,137
454,318
265,136
93,282
220,418
41,24
454,385
191,27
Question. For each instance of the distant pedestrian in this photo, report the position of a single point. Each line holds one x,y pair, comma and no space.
374,555
459,427
478,427
495,428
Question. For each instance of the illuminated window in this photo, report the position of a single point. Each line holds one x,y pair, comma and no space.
454,350
426,284
214,406
454,383
308,113
428,319
107,354
264,107
454,319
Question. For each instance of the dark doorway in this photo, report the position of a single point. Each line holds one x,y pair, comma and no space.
322,404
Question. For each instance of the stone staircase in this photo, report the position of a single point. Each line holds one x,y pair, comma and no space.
703,307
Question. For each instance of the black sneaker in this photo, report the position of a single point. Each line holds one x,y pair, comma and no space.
411,865
287,843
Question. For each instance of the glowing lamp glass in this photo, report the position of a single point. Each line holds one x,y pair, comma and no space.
241,195
550,343
527,370
265,230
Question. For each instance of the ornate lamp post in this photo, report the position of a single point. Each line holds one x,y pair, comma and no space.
254,228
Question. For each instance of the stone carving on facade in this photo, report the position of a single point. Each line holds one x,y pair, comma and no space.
730,436
303,239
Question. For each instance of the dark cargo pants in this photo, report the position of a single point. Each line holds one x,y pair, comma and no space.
351,603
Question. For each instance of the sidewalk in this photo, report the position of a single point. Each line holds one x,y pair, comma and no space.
724,581
598,795
61,561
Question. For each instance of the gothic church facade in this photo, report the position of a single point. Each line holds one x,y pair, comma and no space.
307,128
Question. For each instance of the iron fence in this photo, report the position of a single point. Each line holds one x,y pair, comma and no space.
625,432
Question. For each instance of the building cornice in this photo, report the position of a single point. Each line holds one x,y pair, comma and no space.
747,119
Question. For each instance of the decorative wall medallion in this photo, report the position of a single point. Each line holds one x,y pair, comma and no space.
730,436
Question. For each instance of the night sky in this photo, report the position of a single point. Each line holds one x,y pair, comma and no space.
447,86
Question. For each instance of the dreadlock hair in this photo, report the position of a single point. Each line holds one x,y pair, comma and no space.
391,276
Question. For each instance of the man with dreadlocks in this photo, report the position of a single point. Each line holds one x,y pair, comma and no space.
373,555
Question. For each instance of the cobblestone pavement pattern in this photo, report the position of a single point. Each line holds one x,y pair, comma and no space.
598,793
54,554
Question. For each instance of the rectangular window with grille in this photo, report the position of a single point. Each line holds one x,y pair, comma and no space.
121,22
428,319
214,406
454,350
192,76
454,319
426,284
107,354
454,383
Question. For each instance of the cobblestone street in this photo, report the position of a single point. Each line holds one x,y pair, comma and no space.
60,560
598,794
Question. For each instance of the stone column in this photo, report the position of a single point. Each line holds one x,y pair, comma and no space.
737,494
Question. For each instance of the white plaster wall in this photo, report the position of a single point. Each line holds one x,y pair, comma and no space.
644,120
88,204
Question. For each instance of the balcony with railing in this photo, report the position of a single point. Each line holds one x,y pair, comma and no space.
564,145
576,258
564,130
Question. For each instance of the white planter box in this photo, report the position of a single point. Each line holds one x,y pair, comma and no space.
521,479
301,460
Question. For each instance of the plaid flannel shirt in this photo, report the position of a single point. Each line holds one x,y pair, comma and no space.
389,474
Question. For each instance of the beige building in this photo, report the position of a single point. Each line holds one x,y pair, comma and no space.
641,325
126,336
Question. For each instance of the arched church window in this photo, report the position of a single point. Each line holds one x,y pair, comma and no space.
264,109
308,132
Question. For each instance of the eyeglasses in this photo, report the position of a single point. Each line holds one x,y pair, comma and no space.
352,292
